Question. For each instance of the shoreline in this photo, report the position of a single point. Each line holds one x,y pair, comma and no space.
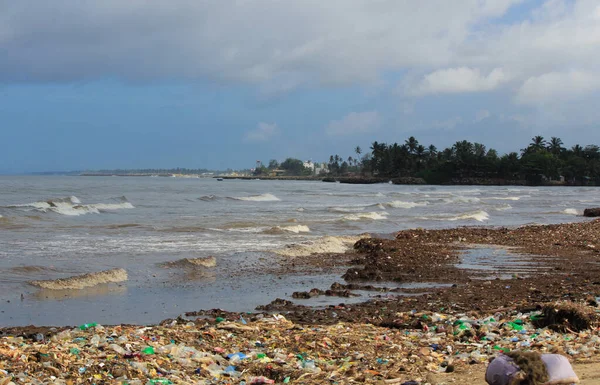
357,180
433,261
423,334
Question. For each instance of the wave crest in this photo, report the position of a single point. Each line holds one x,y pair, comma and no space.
258,198
208,262
479,216
404,205
320,246
84,280
374,216
287,229
72,206
572,212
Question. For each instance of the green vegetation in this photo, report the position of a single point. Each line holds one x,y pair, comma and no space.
289,167
466,162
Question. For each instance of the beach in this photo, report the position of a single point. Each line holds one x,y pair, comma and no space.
434,335
182,281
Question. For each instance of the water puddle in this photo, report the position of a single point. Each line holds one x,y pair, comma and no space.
391,291
498,262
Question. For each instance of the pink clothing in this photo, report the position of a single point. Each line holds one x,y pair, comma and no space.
501,370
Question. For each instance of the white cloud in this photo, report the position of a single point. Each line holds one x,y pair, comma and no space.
354,123
458,80
463,46
332,42
263,132
482,115
556,87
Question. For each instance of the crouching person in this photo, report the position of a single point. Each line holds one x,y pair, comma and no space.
530,368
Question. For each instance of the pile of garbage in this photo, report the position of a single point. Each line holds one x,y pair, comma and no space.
269,349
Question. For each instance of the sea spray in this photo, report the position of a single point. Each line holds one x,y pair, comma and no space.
84,280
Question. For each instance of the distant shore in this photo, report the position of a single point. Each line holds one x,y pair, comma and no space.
353,179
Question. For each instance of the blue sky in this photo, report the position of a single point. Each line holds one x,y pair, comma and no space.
113,84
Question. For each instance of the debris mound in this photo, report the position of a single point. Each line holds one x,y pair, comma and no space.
566,317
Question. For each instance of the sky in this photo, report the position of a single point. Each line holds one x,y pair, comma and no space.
220,84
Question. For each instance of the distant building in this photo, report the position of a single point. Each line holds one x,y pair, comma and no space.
309,165
321,168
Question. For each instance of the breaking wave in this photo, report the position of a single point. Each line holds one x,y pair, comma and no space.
84,280
72,206
319,246
368,216
208,198
477,215
258,198
572,212
404,205
503,207
462,199
287,229
506,198
192,262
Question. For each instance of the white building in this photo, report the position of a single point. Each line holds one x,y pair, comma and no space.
309,165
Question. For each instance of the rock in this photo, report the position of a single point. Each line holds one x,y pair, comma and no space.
593,212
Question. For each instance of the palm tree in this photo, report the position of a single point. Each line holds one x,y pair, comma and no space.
479,150
555,145
431,150
577,150
358,151
537,143
412,144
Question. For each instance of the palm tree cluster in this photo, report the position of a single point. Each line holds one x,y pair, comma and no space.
539,161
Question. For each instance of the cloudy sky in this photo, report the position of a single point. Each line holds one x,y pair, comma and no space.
196,83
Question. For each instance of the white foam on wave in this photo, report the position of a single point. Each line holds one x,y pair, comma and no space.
72,206
320,246
374,216
462,199
111,206
295,229
506,198
259,198
572,212
477,215
208,262
82,281
503,207
405,205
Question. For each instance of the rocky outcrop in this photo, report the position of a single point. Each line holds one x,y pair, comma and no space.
593,212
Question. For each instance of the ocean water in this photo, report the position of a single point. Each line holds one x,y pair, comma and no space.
55,227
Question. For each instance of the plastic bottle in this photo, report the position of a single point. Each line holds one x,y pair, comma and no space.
141,367
95,341
117,349
87,326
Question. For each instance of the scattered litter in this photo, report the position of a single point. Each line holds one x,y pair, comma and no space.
269,349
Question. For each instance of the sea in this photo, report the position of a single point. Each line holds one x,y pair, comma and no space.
55,227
